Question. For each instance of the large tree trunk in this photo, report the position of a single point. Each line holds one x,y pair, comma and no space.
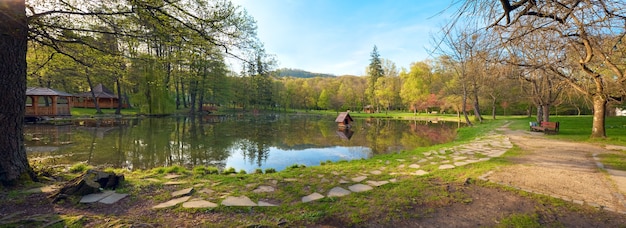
13,46
599,111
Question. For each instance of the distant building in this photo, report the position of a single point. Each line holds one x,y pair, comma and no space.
620,112
106,98
46,102
368,109
344,120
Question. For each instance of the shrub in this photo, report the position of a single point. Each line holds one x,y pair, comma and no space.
270,170
79,168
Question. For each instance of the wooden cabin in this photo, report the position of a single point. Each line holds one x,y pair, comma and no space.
106,98
46,102
344,120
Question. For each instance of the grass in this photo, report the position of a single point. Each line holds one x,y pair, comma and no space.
91,112
382,204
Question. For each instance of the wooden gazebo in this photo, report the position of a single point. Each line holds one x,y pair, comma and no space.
42,102
106,98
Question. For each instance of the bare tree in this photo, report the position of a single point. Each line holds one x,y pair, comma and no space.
590,32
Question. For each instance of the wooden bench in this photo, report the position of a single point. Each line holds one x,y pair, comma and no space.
545,127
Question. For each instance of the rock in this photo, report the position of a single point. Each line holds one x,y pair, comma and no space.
172,176
359,178
419,173
446,166
414,166
95,197
182,192
312,197
377,183
263,188
266,204
172,202
175,182
206,191
199,204
242,201
113,198
338,192
360,188
375,172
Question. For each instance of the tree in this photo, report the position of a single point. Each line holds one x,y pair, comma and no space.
589,32
60,23
374,72
414,87
13,46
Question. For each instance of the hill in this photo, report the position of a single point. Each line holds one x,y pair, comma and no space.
296,73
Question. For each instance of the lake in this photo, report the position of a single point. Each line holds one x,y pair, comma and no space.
244,142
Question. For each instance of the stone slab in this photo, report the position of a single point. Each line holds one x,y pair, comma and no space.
172,202
199,204
338,192
414,166
419,173
206,191
264,188
44,189
95,197
359,178
447,166
376,172
172,176
266,204
241,201
377,183
312,197
360,188
182,192
113,198
175,182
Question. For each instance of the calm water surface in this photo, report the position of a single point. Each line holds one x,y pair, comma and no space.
241,142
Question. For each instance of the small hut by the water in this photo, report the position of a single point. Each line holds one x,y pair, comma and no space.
344,120
368,109
46,102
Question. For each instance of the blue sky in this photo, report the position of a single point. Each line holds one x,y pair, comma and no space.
337,36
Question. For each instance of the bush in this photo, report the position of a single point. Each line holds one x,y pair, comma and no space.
204,170
229,170
258,171
270,170
242,171
79,168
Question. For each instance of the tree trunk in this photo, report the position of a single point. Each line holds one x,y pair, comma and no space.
540,114
493,107
464,107
599,111
476,103
545,112
93,94
13,46
118,111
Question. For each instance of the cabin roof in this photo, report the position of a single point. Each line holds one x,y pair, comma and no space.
43,91
342,116
99,91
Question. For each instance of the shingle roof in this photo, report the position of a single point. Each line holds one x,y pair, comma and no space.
100,91
342,116
43,91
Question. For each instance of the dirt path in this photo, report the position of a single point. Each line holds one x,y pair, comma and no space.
561,169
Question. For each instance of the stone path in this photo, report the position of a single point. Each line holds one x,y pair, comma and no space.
481,149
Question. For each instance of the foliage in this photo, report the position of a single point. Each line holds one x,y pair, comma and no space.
79,168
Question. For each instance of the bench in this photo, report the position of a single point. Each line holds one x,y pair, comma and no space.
545,127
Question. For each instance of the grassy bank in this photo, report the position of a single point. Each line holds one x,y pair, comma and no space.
411,197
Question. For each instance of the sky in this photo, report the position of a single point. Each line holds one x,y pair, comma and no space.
338,36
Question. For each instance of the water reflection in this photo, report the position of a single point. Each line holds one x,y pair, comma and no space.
242,142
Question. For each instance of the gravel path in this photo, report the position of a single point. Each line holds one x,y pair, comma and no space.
561,169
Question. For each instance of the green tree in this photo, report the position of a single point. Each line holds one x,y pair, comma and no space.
374,72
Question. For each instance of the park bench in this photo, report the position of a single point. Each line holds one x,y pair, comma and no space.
545,127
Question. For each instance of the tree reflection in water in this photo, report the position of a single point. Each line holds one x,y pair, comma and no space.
241,141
